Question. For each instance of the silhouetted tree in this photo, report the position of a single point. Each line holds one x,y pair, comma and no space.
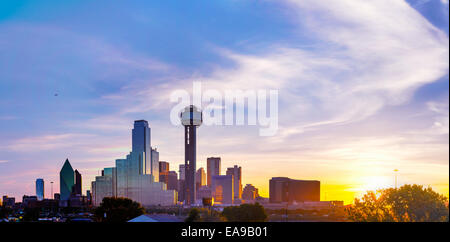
245,213
409,203
194,216
118,210
5,212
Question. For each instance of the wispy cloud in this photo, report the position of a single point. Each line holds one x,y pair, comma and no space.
343,115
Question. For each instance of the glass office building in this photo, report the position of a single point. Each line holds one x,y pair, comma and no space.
141,145
135,177
40,189
66,180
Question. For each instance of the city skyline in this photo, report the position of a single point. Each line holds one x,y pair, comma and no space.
362,93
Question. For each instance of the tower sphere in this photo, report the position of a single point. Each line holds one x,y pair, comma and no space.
191,116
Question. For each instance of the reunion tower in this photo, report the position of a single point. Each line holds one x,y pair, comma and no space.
191,118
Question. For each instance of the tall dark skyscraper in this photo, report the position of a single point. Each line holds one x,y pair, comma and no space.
141,145
191,118
77,186
66,180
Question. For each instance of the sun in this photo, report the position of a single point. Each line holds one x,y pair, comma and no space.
373,183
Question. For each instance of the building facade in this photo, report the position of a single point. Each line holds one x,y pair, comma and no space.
77,186
200,178
250,192
66,180
172,180
164,172
222,189
283,189
40,194
134,177
236,172
212,168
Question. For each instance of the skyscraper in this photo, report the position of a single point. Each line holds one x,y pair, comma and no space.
172,183
141,145
236,172
164,172
77,186
40,189
182,171
135,177
66,180
191,118
200,178
212,168
155,165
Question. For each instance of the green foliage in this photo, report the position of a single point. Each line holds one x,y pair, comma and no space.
194,216
118,210
245,213
409,203
203,215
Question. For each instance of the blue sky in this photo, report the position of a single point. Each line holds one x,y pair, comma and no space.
363,86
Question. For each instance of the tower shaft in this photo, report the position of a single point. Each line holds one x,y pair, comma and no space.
190,159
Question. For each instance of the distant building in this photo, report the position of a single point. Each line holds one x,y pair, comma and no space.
204,192
155,165
250,192
172,180
89,196
200,178
182,172
8,202
29,201
236,172
164,172
212,168
66,180
40,189
104,186
156,218
77,186
181,182
222,189
283,189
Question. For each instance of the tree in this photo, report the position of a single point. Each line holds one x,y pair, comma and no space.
409,203
245,213
194,216
5,212
118,210
31,214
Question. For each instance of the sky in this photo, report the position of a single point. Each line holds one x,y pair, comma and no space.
363,88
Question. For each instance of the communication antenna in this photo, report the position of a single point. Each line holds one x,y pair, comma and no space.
395,173
52,197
